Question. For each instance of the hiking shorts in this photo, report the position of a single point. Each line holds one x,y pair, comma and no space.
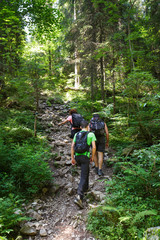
73,132
100,144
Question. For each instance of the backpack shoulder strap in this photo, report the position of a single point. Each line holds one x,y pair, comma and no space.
83,133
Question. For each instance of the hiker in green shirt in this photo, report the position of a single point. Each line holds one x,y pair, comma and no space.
80,155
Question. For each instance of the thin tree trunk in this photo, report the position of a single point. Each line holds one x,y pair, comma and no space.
35,125
114,84
76,67
49,61
93,61
76,70
102,80
37,92
130,45
114,92
93,74
92,81
102,67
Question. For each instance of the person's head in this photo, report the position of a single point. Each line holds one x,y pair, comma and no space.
72,111
84,124
96,116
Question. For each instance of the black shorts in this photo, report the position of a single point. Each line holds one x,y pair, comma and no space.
73,132
100,144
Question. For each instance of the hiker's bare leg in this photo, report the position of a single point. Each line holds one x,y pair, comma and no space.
100,160
96,159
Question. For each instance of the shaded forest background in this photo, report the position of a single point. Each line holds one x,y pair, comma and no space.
97,56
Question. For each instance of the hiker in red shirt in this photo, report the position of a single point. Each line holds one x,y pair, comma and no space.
74,118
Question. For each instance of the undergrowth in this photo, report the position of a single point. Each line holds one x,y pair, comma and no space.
132,198
24,170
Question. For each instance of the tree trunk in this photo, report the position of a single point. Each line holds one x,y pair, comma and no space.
35,125
92,81
93,61
76,70
102,80
130,45
114,93
49,61
114,85
76,67
101,64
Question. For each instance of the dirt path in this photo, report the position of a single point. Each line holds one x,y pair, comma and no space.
56,217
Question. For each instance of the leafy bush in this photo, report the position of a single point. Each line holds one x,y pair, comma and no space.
55,99
7,184
110,223
10,214
86,108
18,135
23,118
143,107
3,115
23,165
25,168
133,199
32,172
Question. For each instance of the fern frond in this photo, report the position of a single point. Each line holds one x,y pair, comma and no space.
124,219
140,215
110,209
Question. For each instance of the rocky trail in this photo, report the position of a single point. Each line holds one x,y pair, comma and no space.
54,214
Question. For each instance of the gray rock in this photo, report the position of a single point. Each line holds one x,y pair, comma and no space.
60,144
68,163
52,144
54,189
152,233
59,163
70,191
36,216
58,158
43,232
27,230
18,212
98,195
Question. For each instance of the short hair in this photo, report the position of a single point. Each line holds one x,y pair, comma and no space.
84,124
95,115
72,111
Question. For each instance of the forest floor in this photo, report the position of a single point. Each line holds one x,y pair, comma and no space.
54,214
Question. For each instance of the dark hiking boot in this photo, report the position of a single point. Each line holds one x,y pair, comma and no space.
100,173
96,170
78,202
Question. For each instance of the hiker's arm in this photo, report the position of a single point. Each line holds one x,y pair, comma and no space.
93,150
63,122
107,136
72,154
